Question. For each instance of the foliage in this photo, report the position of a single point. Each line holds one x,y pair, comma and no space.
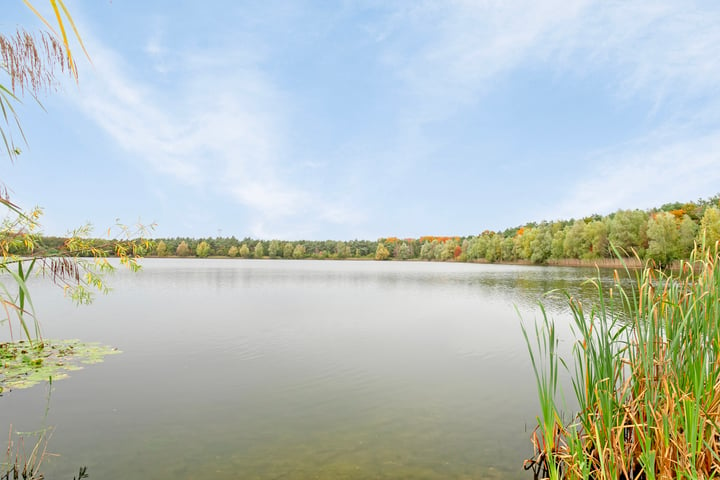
382,253
299,251
591,238
182,250
161,249
404,252
646,378
25,364
259,250
709,231
663,237
628,231
274,249
203,249
30,62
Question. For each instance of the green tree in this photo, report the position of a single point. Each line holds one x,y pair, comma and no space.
541,245
259,250
244,251
709,230
161,249
342,250
663,236
494,249
596,238
274,249
288,250
687,231
476,248
522,242
203,249
426,251
557,249
576,244
507,247
447,250
404,252
628,231
233,251
299,251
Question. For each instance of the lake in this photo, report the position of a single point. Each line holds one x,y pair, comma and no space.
269,369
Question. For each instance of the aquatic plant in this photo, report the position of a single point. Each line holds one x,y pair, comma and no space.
24,364
645,375
20,463
24,459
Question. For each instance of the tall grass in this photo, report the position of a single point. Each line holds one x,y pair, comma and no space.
645,371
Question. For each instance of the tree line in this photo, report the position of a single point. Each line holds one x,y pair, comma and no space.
663,234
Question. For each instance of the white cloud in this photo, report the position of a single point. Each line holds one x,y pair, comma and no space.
219,123
218,127
653,172
662,53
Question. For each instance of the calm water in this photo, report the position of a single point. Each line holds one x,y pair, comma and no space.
295,370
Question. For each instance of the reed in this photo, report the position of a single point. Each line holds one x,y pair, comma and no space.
645,370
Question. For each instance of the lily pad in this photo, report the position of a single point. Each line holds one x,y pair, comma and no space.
24,364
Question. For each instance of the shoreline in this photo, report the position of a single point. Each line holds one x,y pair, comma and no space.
631,263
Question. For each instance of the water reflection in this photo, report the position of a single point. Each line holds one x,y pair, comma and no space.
302,369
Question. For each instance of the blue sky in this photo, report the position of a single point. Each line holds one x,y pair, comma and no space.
342,120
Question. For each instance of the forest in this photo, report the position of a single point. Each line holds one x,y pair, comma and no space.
663,234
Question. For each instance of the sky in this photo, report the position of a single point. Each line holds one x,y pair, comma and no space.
365,119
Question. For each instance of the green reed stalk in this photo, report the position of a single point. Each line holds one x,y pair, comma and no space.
545,366
646,378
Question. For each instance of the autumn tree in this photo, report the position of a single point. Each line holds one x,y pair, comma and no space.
259,250
382,253
183,250
244,251
203,249
232,251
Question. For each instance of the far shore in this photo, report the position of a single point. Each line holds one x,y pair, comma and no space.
631,263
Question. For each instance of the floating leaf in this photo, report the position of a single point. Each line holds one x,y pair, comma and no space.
23,365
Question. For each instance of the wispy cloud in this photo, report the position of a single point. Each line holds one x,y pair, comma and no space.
465,45
660,48
645,175
219,126
226,120
661,54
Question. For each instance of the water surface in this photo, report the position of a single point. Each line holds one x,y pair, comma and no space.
297,369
